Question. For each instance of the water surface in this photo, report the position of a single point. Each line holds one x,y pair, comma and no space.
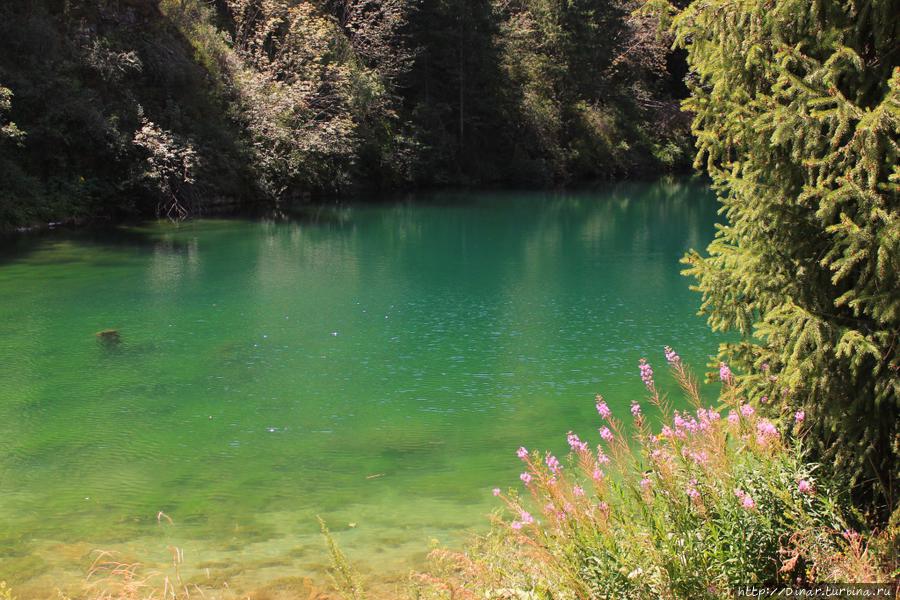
377,365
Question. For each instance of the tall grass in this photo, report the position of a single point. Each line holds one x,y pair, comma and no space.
717,498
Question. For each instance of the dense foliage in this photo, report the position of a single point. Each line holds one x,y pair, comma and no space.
285,98
84,77
705,504
797,116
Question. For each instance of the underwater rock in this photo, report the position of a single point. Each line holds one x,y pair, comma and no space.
110,337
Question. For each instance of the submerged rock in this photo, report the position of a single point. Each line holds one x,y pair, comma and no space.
109,337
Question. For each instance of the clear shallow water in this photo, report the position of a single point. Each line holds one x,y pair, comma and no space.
375,365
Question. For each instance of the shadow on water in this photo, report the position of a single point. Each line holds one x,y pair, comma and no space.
159,235
21,245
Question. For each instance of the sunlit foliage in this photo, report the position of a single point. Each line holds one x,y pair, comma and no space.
797,118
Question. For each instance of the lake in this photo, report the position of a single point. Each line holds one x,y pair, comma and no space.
373,364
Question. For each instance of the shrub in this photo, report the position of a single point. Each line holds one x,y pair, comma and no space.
719,497
168,167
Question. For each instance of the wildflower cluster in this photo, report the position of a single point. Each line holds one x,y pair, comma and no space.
689,511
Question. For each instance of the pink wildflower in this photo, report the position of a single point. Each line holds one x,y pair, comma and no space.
606,434
635,409
765,431
682,425
799,416
804,487
745,498
701,457
645,484
671,356
603,408
578,490
553,464
516,525
747,410
575,443
733,417
526,478
522,452
602,458
496,491
526,517
692,492
597,475
725,373
646,373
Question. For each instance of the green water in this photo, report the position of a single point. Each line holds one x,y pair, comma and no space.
373,364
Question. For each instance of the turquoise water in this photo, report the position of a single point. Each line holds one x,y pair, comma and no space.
377,365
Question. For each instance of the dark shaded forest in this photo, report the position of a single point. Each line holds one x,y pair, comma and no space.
133,108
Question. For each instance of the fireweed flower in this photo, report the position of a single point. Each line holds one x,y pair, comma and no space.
578,490
597,475
646,373
496,491
747,410
701,458
525,477
645,484
635,409
682,424
799,416
725,373
606,434
602,458
765,431
516,525
526,517
745,498
575,443
553,464
603,408
732,417
804,487
692,492
671,356
522,452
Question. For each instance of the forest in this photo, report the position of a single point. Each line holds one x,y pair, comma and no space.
183,106
279,272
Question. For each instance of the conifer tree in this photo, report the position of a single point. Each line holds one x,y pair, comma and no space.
796,111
